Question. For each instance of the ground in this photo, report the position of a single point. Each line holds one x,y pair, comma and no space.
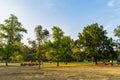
83,72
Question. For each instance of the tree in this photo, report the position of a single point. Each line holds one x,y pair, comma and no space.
11,31
50,53
32,50
94,42
17,55
2,45
67,45
78,53
41,36
108,50
117,31
25,52
57,36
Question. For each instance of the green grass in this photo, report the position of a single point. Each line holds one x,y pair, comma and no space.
54,64
71,64
10,64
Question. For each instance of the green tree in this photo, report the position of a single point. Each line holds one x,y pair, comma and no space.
67,48
117,31
18,51
94,42
57,36
50,53
41,36
78,53
2,45
11,31
32,50
108,50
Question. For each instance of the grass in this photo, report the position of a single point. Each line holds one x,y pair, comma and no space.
53,64
10,64
71,64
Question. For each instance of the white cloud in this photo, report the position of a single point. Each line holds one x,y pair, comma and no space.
111,3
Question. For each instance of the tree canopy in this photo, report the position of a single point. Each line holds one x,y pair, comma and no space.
92,44
11,31
117,31
41,36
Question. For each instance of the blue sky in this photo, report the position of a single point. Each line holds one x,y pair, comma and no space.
70,15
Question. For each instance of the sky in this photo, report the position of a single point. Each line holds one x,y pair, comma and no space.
70,15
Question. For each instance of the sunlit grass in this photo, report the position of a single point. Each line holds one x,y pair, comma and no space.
10,64
71,64
54,64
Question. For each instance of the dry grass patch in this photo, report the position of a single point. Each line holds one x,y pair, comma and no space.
72,72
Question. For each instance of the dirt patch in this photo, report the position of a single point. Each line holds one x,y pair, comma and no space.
60,73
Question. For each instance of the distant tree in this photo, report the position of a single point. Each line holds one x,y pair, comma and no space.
33,45
50,53
2,45
117,31
41,36
11,31
32,50
67,48
18,51
57,36
95,42
108,50
78,53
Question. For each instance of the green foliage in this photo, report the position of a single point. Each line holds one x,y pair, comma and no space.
57,36
57,33
17,58
41,36
67,45
50,55
55,48
61,47
32,50
92,44
11,31
117,31
95,43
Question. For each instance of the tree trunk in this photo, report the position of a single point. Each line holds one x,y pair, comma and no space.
58,63
6,62
39,64
95,59
77,59
112,61
39,60
66,62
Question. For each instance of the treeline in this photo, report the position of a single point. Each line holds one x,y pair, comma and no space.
92,44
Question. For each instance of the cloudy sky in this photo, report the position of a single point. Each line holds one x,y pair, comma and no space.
70,15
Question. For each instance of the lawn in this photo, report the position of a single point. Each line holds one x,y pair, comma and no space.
71,71
71,64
